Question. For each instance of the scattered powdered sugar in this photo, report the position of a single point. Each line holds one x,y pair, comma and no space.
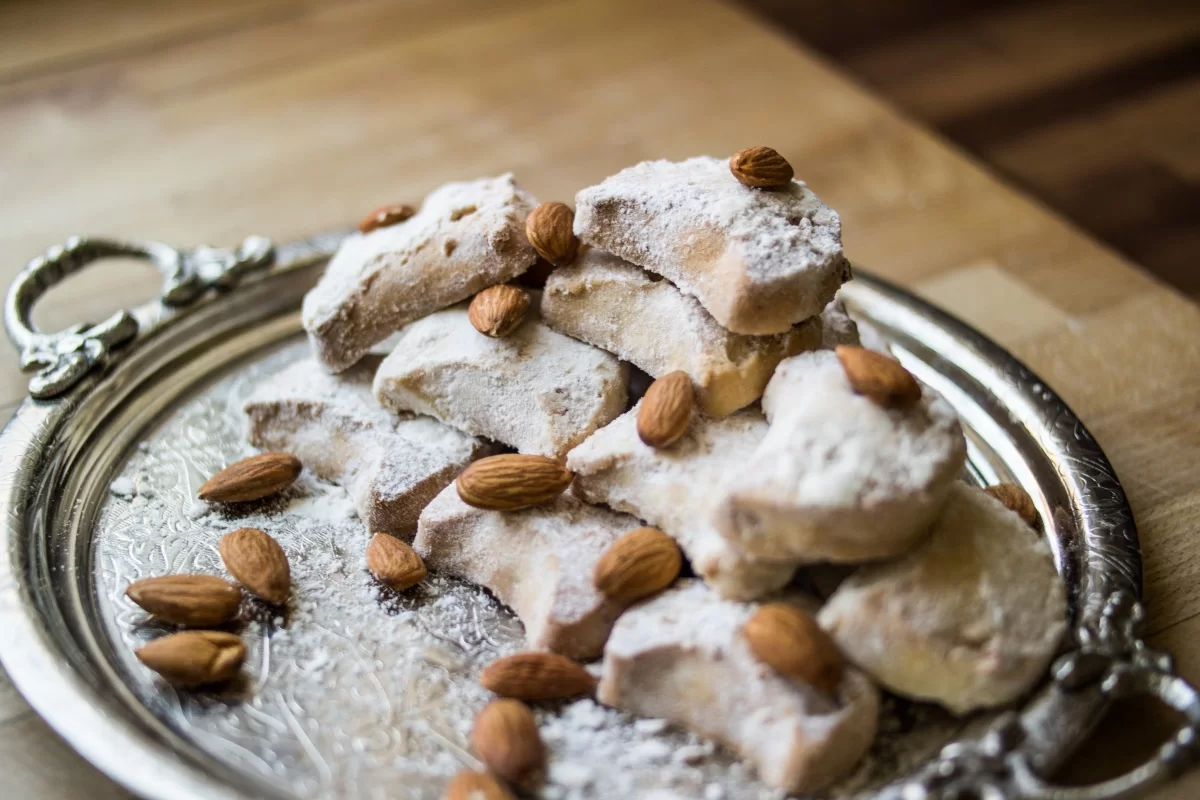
651,726
654,751
599,752
198,509
570,775
356,689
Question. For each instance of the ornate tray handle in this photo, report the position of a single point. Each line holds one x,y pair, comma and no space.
1112,658
62,359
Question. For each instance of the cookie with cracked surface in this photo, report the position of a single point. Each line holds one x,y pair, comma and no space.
535,390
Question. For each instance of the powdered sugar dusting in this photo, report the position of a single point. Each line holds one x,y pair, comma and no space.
978,611
674,488
539,561
759,261
647,321
535,390
392,464
466,237
681,655
838,478
872,452
356,689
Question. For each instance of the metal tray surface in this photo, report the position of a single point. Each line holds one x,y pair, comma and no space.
360,692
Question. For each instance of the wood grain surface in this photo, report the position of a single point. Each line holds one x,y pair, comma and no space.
192,123
1094,107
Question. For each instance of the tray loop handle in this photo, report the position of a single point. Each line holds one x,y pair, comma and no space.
1120,663
1111,659
63,358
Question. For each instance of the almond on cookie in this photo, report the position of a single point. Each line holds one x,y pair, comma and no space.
684,656
758,261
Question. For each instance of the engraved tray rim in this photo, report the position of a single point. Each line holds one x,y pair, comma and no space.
1088,520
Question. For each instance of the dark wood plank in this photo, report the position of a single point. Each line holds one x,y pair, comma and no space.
994,124
1056,96
844,28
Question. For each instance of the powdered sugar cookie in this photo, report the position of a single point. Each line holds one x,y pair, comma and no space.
647,321
535,390
839,478
674,488
466,237
682,656
538,561
391,465
759,261
970,619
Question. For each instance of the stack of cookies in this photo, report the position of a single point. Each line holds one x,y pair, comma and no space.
507,439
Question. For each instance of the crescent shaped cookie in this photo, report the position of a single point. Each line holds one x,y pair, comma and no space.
970,619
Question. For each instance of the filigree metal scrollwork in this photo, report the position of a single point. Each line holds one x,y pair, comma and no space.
973,770
63,358
204,268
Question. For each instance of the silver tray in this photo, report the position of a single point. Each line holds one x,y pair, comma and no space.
360,693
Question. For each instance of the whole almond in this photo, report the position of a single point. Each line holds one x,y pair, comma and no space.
195,601
549,228
1017,499
666,410
252,478
506,739
512,481
537,675
880,378
792,643
498,310
194,658
639,564
258,563
761,168
393,562
471,785
385,216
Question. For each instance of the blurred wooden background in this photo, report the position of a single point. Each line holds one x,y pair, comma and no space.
970,147
1092,106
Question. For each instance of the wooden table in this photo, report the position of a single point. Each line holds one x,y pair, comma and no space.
203,122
